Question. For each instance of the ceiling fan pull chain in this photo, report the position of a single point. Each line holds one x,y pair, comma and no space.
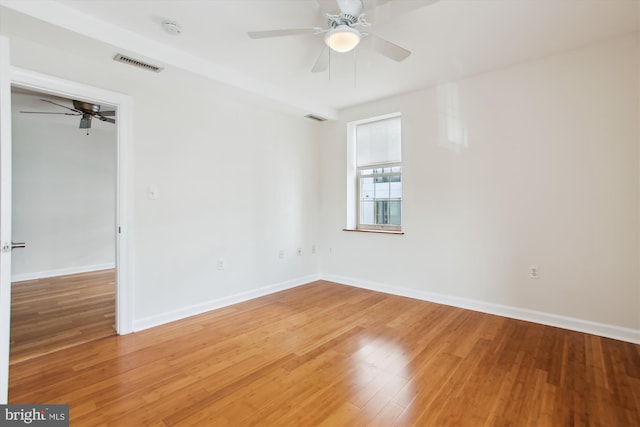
355,75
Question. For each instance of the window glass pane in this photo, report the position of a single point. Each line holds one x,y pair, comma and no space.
367,188
395,212
379,142
382,212
395,188
382,189
380,208
366,212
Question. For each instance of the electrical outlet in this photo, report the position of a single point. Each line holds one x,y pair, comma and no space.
220,264
281,254
299,251
534,272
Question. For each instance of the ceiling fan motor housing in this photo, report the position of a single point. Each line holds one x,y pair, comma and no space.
347,19
86,107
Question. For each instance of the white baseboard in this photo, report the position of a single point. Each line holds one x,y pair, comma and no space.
151,321
601,329
61,272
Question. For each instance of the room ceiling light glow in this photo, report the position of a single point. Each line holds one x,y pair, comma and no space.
342,38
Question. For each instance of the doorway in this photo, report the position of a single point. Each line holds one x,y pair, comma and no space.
38,82
64,208
124,238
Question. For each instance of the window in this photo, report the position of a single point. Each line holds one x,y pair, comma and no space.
378,173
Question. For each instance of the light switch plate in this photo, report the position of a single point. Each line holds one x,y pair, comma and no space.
152,192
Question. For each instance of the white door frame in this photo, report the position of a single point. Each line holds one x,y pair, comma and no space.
124,203
124,200
5,216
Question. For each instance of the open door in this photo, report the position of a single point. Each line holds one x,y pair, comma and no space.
5,217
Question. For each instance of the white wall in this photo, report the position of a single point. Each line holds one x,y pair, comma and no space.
63,192
531,165
237,180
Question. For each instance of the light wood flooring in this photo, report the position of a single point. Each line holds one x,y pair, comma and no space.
58,312
324,354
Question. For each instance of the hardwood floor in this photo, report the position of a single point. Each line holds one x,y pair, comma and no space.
331,355
59,312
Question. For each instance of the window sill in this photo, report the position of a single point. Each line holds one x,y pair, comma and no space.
364,230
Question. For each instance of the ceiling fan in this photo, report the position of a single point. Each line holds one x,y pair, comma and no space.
80,108
341,34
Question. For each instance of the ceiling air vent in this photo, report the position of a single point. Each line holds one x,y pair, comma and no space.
316,118
136,63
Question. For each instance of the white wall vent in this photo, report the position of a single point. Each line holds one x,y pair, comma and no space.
316,118
137,63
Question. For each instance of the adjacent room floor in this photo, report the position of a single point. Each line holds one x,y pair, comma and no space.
53,313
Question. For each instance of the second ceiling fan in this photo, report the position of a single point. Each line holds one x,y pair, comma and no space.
342,35
80,108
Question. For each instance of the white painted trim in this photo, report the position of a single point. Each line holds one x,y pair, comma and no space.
124,210
61,272
171,316
5,217
550,319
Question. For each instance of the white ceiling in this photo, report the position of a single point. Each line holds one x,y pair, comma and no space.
449,40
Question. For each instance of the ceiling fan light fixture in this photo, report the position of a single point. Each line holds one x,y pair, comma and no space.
85,121
342,38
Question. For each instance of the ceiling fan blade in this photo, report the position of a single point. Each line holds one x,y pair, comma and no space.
101,117
329,6
388,49
285,32
370,10
49,112
322,63
369,5
60,105
107,113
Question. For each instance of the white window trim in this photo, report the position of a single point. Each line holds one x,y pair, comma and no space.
352,178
